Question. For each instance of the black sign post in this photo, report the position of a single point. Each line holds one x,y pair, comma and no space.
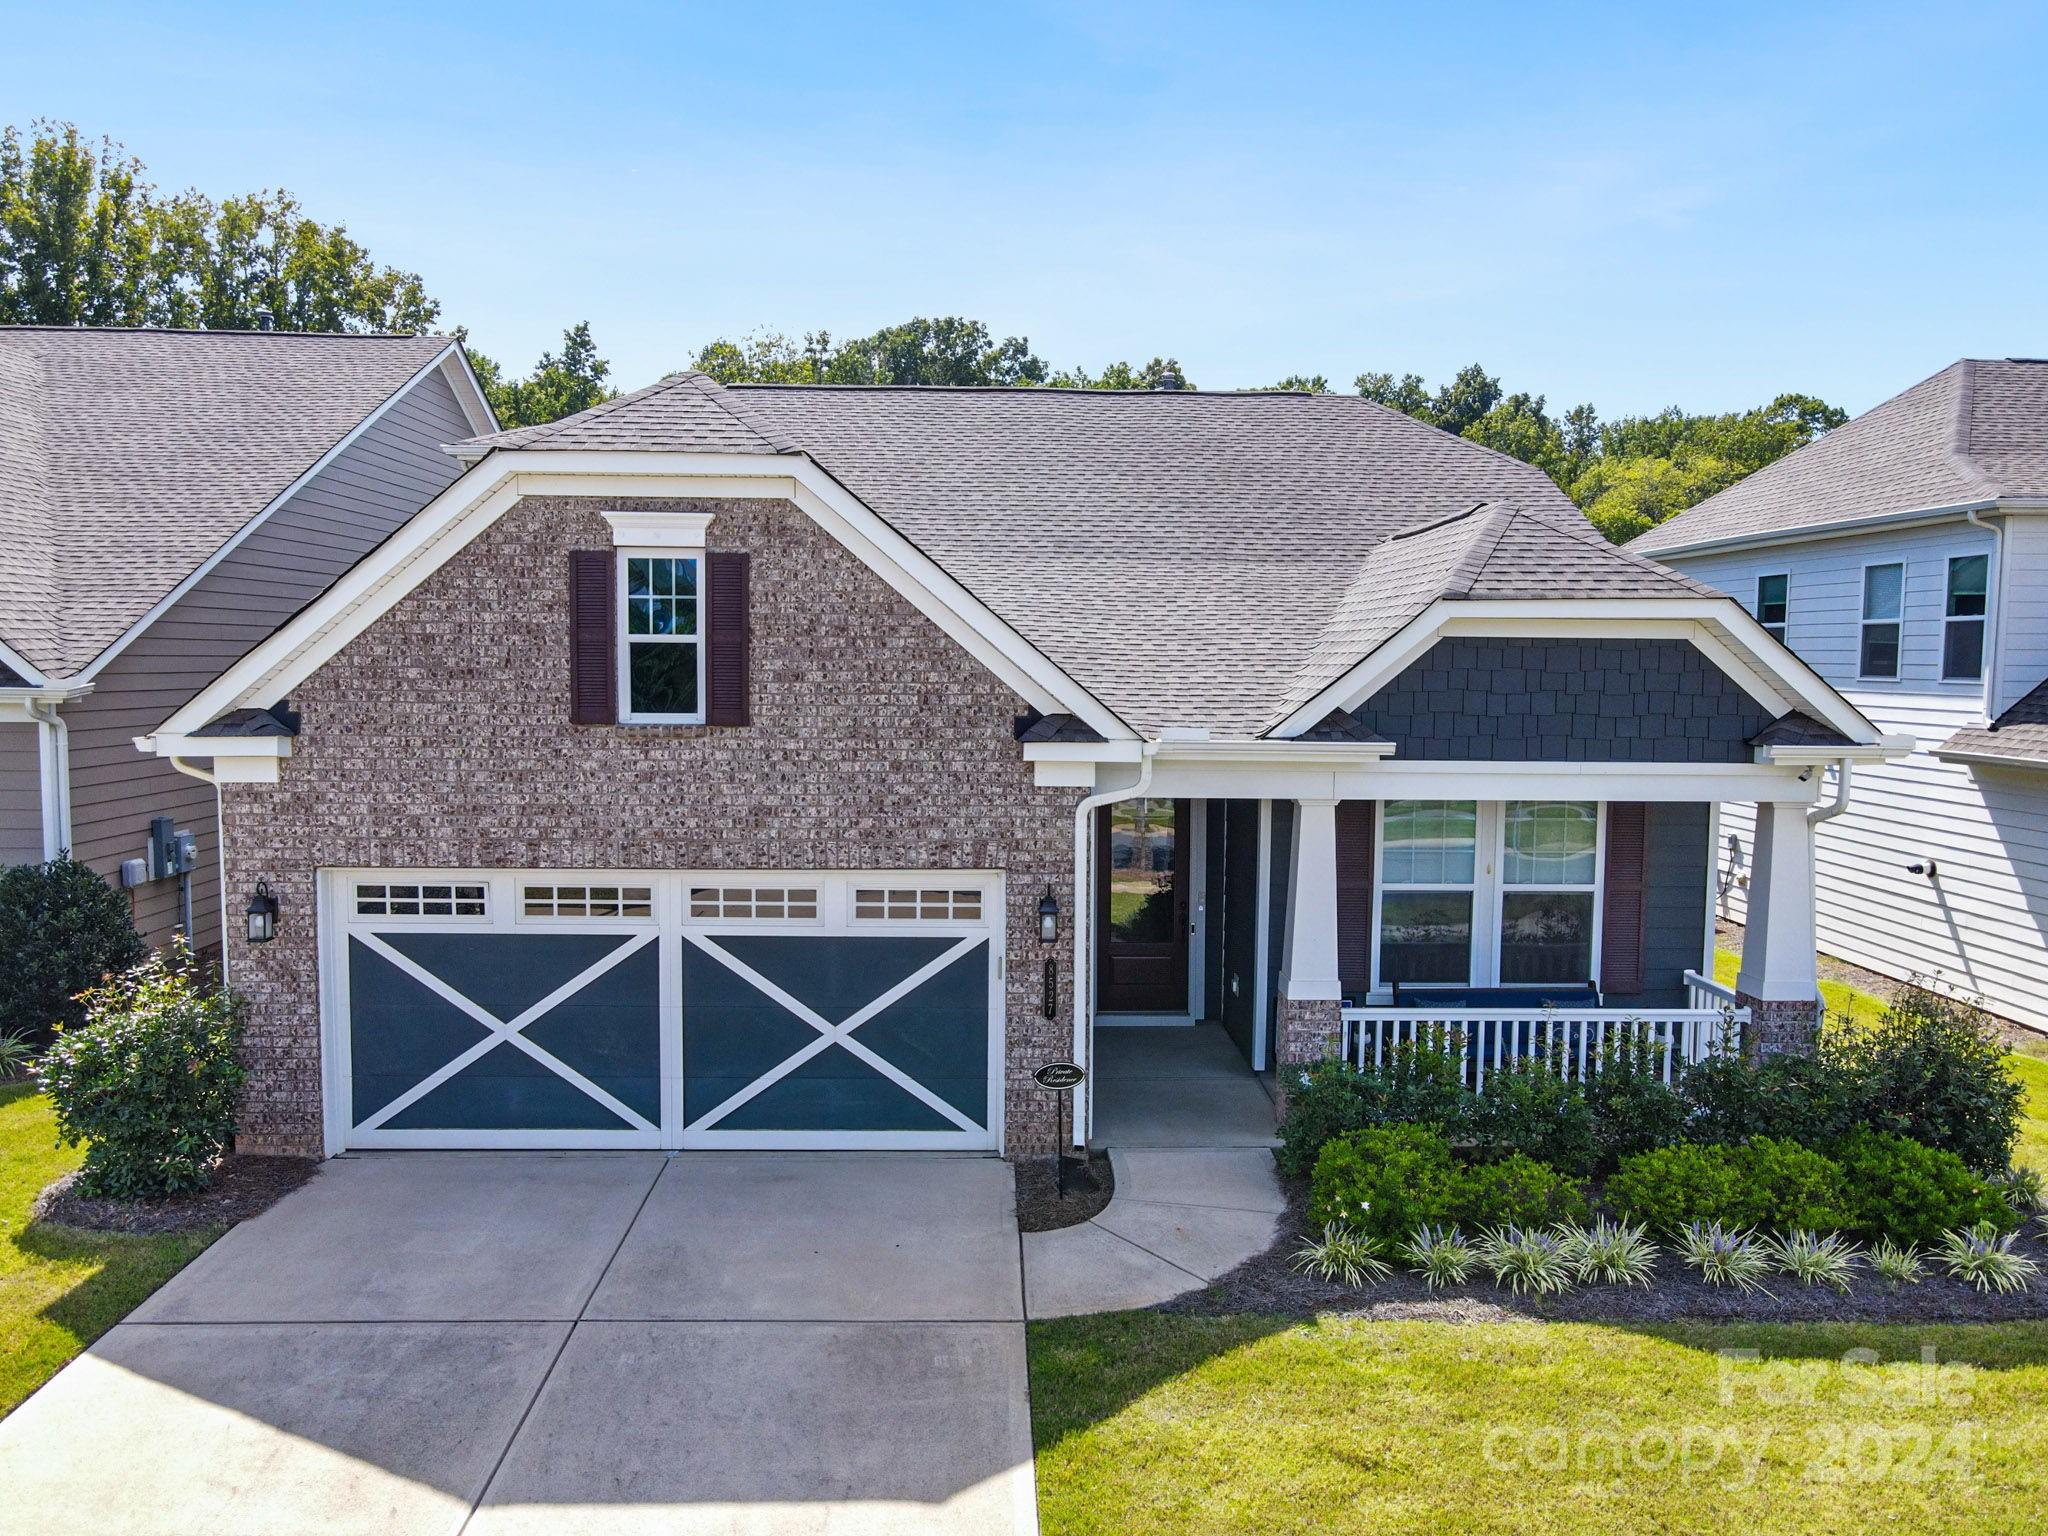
1062,1077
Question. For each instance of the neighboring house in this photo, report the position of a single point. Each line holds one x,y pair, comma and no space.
776,767
167,499
1905,558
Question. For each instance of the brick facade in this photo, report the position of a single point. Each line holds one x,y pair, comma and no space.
439,738
1779,1027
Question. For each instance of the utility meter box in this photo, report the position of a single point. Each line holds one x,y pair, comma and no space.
171,852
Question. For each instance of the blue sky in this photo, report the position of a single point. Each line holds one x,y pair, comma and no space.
1636,205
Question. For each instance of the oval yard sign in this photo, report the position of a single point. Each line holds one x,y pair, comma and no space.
1059,1074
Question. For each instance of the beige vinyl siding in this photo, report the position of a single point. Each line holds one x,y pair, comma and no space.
1982,925
374,486
21,794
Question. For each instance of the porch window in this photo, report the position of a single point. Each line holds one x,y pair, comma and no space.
1428,874
1549,863
1521,876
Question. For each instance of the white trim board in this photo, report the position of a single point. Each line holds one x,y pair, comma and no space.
485,493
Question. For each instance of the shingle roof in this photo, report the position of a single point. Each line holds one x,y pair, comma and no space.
2020,734
1976,430
1184,555
129,457
1799,729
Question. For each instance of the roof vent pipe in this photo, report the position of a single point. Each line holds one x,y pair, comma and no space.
1170,381
265,320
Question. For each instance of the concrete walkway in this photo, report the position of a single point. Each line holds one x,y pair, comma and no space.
586,1344
1189,1132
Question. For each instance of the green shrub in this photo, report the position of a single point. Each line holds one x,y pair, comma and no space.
149,1081
1813,1099
1668,1189
62,929
1384,1181
1933,1068
1784,1187
1770,1185
1633,1108
1517,1191
1529,1108
1897,1187
1416,1085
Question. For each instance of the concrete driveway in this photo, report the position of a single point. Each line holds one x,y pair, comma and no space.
563,1343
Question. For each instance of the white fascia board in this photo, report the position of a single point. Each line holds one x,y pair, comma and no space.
17,704
1727,635
1989,759
1886,751
170,744
235,540
18,664
485,493
1083,751
469,391
1467,780
1845,527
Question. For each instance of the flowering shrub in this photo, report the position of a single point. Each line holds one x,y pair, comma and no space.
149,1081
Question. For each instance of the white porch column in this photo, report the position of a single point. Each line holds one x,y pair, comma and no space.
1308,969
1778,981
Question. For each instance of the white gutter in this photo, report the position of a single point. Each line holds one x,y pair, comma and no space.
1084,933
53,755
1845,526
1995,611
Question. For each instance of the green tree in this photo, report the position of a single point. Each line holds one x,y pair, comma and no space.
86,240
1302,383
558,386
1160,373
946,351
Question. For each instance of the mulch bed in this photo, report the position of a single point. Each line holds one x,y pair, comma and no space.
1270,1285
1039,1206
242,1187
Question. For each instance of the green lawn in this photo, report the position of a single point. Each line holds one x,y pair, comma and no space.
1146,1423
1843,1001
59,1291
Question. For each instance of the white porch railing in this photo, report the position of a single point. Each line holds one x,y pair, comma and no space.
1705,992
1575,1040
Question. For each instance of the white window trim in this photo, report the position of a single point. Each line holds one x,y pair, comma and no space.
1864,621
1781,632
1488,889
1983,620
645,531
623,642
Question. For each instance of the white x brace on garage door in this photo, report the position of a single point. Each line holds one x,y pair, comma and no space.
643,1009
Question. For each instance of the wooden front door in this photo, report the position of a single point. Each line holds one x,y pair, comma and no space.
1141,902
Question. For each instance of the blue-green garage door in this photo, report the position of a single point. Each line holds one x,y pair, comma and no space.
838,1039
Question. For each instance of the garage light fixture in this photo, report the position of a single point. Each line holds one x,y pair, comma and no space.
1048,917
262,914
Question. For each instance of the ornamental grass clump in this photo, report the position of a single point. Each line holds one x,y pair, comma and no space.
1441,1255
1724,1256
1526,1259
1813,1259
1898,1266
1984,1257
149,1082
1610,1253
1343,1256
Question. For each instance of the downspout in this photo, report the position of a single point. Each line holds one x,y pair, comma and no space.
220,853
1994,620
54,760
1820,813
1084,934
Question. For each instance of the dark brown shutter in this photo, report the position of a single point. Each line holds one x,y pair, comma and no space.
1626,898
1354,893
728,634
593,682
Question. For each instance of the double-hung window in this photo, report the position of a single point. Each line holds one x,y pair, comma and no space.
1429,858
1884,599
661,616
1550,856
1481,894
1773,604
1962,629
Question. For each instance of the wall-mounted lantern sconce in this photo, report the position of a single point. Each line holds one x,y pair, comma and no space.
262,914
1928,868
1048,918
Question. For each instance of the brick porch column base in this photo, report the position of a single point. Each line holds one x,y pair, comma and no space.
1306,1030
1779,1028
